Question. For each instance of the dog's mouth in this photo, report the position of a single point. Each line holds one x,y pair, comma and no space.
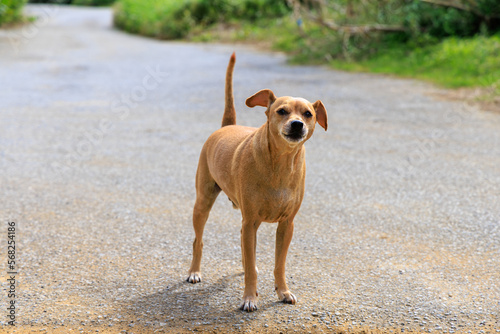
294,137
294,131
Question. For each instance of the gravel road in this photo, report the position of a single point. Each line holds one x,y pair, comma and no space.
100,133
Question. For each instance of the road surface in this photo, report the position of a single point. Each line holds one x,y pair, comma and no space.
100,133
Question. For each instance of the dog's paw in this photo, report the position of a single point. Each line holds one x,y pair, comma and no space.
194,277
287,297
290,299
249,304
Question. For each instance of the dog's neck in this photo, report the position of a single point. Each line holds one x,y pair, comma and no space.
282,159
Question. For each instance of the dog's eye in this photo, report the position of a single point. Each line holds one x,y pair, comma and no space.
281,112
308,114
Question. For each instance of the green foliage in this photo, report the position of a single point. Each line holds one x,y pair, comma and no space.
450,46
454,62
440,21
59,2
77,2
161,19
11,11
170,19
93,2
421,23
257,9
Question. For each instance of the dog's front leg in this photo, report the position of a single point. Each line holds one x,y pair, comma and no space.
283,238
248,246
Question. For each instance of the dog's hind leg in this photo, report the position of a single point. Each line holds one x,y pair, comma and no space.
207,191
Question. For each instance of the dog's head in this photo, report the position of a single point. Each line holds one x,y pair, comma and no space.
291,118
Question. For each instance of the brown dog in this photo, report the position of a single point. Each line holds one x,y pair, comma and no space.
262,171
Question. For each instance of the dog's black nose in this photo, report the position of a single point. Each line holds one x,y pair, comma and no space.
296,126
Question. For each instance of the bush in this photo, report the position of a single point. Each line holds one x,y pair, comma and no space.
358,30
59,2
161,19
440,21
11,11
453,62
256,9
170,19
93,2
77,2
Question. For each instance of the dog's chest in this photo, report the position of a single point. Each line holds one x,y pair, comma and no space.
279,203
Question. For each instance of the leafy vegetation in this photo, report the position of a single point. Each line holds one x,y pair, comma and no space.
11,11
450,42
170,19
77,2
455,43
453,17
161,19
454,62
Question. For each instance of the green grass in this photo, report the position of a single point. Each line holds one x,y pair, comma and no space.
151,18
266,32
11,11
76,2
452,63
171,19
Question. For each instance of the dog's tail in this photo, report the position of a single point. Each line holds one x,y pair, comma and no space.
229,117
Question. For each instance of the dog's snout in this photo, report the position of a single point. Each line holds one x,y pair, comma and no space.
296,126
295,131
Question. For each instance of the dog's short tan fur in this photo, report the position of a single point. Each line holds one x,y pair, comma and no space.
262,171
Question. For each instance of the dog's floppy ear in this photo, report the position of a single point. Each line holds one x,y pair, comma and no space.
321,115
263,98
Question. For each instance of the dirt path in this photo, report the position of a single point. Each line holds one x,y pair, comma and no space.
100,133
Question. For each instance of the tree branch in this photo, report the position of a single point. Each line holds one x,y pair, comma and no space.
452,5
471,8
364,29
356,29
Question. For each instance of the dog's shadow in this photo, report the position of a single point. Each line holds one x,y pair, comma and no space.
190,305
